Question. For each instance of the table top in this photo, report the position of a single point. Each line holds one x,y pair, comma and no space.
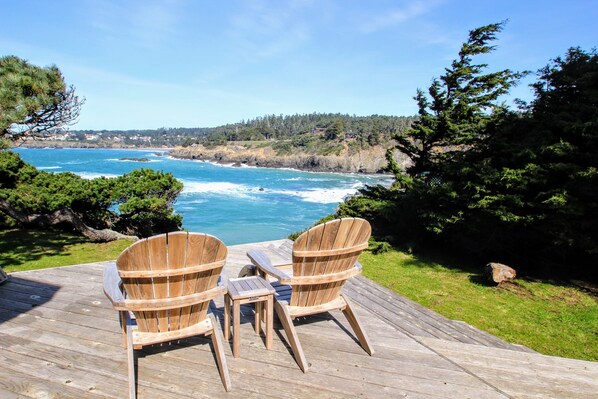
245,287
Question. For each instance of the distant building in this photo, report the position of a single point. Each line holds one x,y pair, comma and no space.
58,137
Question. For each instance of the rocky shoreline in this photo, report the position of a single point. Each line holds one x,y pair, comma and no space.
370,161
365,161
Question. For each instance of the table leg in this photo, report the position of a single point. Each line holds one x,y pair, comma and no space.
236,328
258,318
269,321
226,317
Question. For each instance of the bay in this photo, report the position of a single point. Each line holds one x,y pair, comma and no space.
237,205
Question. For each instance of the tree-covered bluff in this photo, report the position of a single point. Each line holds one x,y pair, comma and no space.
367,130
315,142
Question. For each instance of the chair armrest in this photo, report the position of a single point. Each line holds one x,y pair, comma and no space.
112,287
358,266
223,279
263,263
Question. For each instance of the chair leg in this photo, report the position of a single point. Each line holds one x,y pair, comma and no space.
131,363
357,329
218,343
226,317
289,328
122,318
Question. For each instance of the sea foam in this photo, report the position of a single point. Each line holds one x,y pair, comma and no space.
217,188
325,196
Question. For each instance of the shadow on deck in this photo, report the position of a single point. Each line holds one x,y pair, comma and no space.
60,338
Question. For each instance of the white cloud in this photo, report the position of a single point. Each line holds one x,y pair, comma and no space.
266,30
145,24
394,17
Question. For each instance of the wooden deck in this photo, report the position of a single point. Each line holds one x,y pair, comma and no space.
59,338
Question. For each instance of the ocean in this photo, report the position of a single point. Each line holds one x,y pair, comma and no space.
236,204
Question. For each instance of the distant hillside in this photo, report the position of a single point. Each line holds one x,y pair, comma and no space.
368,130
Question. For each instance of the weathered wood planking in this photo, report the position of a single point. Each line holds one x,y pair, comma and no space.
521,374
60,338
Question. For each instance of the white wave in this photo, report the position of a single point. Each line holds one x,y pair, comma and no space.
133,160
94,175
218,188
192,202
327,196
305,179
49,167
229,164
321,196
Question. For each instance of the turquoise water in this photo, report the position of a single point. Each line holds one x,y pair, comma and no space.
238,205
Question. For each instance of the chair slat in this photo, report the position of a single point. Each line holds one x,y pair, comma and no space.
195,249
177,255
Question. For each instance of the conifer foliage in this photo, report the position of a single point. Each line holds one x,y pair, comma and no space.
33,100
458,106
136,204
518,187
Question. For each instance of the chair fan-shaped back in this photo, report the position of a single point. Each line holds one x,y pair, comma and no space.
160,272
323,250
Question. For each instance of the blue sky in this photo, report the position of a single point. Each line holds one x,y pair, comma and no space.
200,63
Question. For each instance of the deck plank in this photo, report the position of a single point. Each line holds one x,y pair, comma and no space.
59,337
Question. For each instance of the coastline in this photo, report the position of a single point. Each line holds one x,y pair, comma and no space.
366,162
369,162
84,146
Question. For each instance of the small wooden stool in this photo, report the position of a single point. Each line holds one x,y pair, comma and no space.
249,290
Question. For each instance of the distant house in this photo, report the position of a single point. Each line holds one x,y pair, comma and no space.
58,137
91,137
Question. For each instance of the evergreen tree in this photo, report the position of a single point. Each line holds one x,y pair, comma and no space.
33,100
453,116
534,182
139,203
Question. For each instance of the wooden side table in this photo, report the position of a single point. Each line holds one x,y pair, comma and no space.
249,290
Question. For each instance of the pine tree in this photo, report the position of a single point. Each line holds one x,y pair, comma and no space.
459,104
33,100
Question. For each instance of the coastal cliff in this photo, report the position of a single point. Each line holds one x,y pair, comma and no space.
371,160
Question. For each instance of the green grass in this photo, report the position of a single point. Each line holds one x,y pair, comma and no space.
551,318
31,249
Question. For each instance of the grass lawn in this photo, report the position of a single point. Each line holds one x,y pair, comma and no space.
551,318
31,249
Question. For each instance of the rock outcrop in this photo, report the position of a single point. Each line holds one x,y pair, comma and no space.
366,161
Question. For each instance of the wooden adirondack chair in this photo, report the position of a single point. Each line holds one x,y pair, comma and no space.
324,257
167,282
